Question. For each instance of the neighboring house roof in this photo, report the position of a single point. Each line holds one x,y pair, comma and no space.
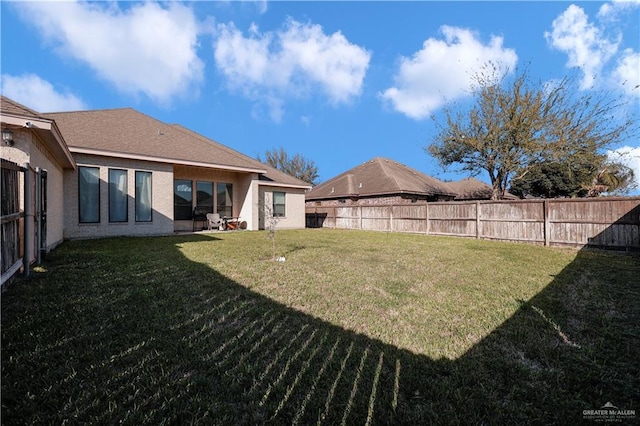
127,133
377,177
470,189
473,189
14,115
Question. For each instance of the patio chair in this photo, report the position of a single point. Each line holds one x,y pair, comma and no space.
214,221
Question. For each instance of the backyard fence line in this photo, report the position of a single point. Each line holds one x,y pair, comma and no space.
12,225
605,222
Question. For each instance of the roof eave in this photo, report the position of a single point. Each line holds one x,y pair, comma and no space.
46,130
282,184
77,150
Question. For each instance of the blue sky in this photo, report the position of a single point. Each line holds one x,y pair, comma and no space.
338,82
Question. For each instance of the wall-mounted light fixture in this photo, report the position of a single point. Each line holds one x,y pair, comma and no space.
7,137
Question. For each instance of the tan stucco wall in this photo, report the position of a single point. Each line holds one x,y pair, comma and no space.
161,199
294,217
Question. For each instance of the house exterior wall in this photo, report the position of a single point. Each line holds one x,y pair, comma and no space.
28,148
248,188
241,190
161,199
294,217
55,192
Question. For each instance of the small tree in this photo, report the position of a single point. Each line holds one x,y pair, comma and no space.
296,166
271,223
517,124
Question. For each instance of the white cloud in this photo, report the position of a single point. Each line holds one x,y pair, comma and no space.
629,156
610,11
294,61
585,44
38,94
627,72
596,48
443,70
146,49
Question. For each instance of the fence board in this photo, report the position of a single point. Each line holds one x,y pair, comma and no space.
10,220
598,222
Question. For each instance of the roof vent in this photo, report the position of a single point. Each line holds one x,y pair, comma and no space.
360,186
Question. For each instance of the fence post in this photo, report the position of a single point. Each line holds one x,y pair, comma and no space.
27,221
547,229
335,219
477,220
427,216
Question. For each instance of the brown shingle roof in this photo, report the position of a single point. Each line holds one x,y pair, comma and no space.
275,176
473,189
470,189
16,115
9,106
271,174
379,176
129,132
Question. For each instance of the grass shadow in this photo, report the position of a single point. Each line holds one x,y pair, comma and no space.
165,340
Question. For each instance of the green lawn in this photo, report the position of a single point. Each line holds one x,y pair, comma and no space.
353,328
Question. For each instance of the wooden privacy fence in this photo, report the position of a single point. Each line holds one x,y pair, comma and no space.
11,215
595,222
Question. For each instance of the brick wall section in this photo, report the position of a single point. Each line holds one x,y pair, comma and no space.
29,149
161,198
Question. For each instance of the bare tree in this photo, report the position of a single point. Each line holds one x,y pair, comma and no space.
516,123
296,166
270,224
